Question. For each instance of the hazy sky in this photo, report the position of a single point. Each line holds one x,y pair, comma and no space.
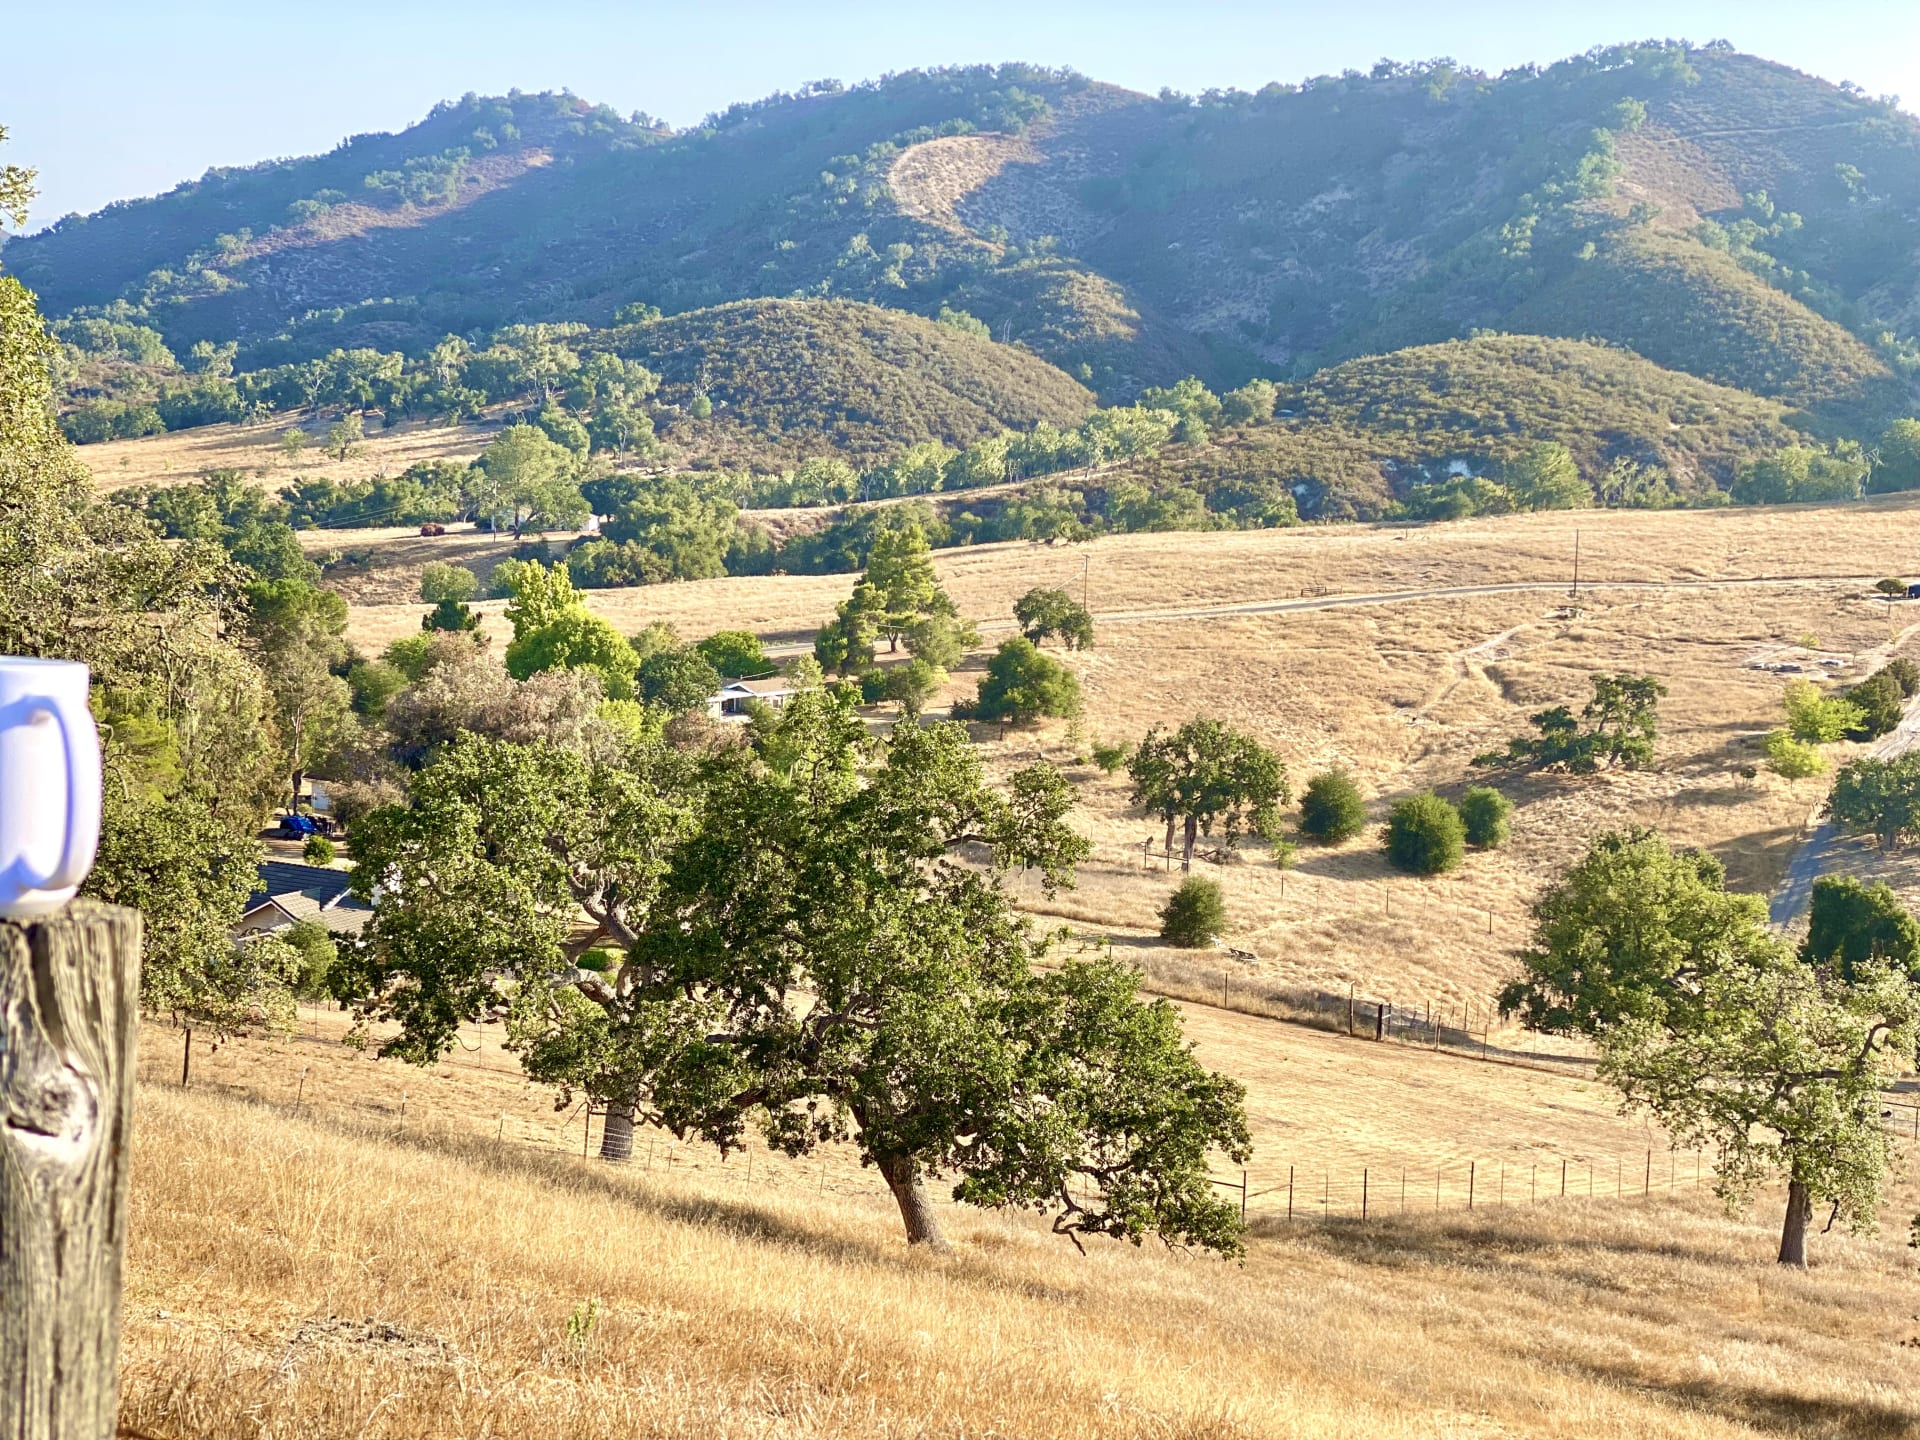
127,97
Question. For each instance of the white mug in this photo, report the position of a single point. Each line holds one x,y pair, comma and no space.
49,784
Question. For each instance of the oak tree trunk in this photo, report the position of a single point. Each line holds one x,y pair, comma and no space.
1793,1232
916,1205
616,1136
69,1003
1193,834
1169,845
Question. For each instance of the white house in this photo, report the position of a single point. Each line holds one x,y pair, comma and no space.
731,700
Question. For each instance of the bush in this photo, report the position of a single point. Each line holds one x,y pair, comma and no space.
1892,587
317,955
318,850
1285,853
1110,757
1331,810
1904,673
1818,719
1193,914
1483,814
736,654
440,582
1880,703
1022,684
1792,759
1425,835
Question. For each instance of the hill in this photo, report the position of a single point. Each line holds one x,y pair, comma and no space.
792,377
1624,194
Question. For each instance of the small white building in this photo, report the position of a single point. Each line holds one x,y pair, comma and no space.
733,699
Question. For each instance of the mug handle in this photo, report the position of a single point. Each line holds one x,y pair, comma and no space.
71,868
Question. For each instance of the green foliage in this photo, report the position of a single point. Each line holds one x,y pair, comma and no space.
1881,705
553,630
1896,459
1023,685
1616,934
1904,674
912,684
1110,757
680,680
1204,774
1485,814
1853,926
410,655
1778,1066
1043,613
1879,798
1792,758
317,851
1425,835
1332,808
1194,914
440,582
706,874
1798,475
317,953
522,478
1818,719
1616,727
735,654
1544,477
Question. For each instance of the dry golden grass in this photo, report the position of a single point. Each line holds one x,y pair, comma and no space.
186,454
313,1272
1404,694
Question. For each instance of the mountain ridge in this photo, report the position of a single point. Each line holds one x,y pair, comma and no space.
1721,215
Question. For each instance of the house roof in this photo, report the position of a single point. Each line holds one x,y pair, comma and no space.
738,689
323,885
309,892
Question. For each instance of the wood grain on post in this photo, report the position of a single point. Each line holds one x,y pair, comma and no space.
69,1006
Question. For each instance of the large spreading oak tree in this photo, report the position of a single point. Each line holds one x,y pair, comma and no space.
1707,1021
815,942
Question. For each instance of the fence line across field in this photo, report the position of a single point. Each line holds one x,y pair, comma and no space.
1293,1193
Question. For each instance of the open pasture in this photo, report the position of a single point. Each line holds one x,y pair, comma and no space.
322,1270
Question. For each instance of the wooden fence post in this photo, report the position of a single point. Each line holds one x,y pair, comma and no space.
69,1012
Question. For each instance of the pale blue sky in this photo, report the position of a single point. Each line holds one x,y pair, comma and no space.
119,98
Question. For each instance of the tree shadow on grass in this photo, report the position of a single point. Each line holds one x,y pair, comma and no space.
1462,1239
739,1217
1770,1411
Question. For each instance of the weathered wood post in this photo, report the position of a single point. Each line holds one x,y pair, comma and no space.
69,1007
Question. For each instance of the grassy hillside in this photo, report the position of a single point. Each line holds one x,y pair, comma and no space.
1352,439
795,377
333,1269
1697,310
1127,238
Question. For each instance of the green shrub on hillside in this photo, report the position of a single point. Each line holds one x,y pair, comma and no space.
1194,914
1484,814
1331,808
1425,835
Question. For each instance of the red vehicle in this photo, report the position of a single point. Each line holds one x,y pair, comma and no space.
433,527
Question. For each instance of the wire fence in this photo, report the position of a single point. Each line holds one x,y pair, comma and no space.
1316,1191
1319,1192
1465,1027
